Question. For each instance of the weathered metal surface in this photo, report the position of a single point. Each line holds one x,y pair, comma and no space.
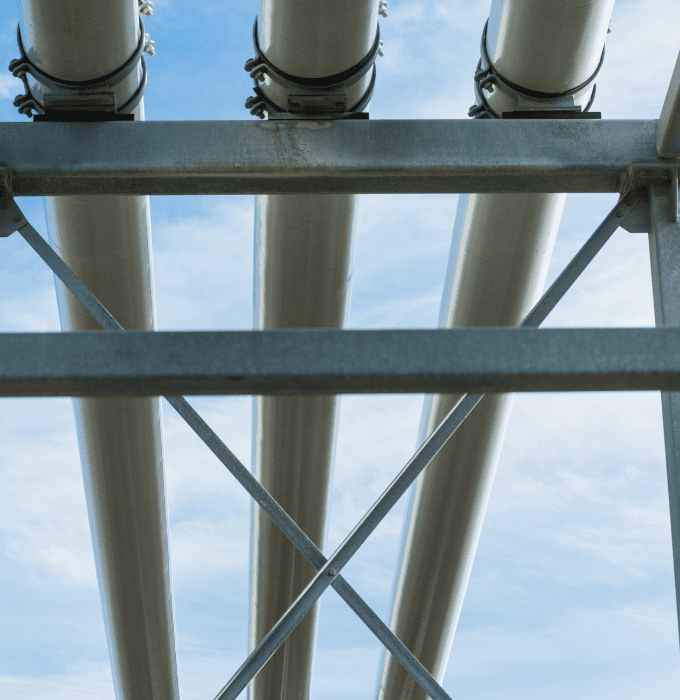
668,126
234,157
326,361
664,247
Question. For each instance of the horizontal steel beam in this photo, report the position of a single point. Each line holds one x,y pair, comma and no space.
357,156
290,362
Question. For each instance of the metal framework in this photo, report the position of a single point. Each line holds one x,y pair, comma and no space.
355,157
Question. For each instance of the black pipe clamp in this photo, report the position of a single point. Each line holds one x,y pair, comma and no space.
315,98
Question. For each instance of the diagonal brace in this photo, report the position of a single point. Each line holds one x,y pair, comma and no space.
427,451
12,219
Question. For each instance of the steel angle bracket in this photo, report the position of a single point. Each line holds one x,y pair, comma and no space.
11,217
639,177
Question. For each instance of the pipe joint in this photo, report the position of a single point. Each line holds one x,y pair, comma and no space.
79,100
488,78
310,98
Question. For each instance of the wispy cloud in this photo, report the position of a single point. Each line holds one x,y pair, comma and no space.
83,681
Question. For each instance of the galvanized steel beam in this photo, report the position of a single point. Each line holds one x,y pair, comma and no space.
664,248
294,362
354,156
668,126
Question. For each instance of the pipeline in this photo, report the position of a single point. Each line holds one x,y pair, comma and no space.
106,241
303,270
546,53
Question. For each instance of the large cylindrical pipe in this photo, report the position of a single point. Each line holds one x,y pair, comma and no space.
303,270
106,241
493,278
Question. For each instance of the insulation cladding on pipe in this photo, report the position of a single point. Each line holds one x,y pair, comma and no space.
498,262
303,270
106,241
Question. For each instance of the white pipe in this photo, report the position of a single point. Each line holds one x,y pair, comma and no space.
303,269
493,279
106,240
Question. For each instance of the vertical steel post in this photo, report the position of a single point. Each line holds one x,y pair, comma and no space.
664,250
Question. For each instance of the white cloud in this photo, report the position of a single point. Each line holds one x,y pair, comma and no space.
42,500
10,86
631,644
202,546
203,262
577,516
344,672
83,681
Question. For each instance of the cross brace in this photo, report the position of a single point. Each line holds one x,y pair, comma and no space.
328,570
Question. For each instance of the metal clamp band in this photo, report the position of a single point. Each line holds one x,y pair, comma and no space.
28,103
310,96
487,77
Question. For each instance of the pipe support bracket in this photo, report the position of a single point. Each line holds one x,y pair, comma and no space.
310,98
79,100
641,177
488,78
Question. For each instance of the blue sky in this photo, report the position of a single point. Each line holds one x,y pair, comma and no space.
571,594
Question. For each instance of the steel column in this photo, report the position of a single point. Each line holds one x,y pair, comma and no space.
664,248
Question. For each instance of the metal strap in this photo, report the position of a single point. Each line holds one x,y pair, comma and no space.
260,65
21,67
486,77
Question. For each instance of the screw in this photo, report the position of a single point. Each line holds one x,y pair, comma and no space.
17,219
331,572
619,214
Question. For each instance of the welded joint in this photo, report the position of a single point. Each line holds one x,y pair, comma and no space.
641,177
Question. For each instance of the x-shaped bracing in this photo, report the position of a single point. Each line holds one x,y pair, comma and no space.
328,569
